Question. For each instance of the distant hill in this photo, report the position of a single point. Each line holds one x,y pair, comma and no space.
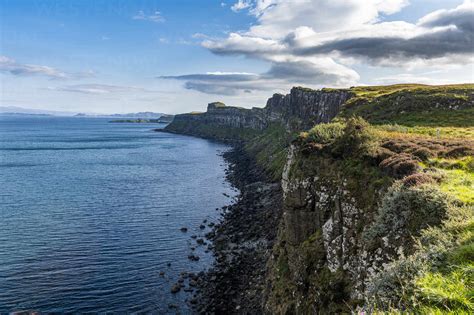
162,120
14,110
143,115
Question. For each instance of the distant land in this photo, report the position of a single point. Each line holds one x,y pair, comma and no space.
14,110
162,120
142,115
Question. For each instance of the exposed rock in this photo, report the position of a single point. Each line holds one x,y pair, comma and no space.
299,110
193,257
175,288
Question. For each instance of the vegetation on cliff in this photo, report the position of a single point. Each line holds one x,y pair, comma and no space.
425,193
378,203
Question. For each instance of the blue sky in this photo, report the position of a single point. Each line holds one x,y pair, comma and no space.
112,56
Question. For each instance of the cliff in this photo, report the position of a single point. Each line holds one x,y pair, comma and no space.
377,195
363,216
299,110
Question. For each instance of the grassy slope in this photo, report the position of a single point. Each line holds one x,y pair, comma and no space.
401,112
441,278
447,110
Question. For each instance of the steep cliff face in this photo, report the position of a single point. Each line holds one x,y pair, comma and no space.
303,108
299,110
322,261
349,223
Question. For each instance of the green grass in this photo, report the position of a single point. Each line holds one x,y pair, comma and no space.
270,149
413,105
433,131
457,177
379,90
324,133
459,184
445,284
449,291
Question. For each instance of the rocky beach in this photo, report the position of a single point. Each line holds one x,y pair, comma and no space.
242,241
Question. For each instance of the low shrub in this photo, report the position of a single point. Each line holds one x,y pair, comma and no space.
358,139
400,165
424,154
417,180
405,211
398,145
325,133
459,151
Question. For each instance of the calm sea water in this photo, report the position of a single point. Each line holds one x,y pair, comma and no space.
91,211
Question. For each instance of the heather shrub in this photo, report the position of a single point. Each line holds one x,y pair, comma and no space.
400,165
424,154
417,180
459,151
397,145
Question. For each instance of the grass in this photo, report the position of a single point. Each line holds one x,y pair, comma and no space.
379,90
434,131
413,105
457,177
324,133
449,291
449,285
270,149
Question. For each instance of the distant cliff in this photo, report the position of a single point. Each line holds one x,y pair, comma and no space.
299,110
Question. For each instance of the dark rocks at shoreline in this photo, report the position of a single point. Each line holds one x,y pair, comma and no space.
241,243
175,288
200,241
193,257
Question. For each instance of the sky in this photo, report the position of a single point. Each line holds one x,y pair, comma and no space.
174,56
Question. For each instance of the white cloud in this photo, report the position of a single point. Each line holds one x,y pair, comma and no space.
98,89
321,42
237,44
277,18
241,5
13,67
445,35
154,17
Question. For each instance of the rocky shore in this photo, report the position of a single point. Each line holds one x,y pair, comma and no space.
242,242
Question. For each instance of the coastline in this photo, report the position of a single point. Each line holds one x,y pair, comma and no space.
242,241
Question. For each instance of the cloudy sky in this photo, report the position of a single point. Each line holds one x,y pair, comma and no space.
108,56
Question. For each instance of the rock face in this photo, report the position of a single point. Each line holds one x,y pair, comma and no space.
299,110
334,239
304,108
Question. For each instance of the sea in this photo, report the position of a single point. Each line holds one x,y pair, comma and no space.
91,214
